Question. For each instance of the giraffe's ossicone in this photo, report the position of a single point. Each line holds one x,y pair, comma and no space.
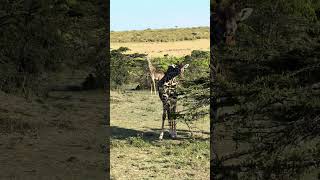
225,21
167,88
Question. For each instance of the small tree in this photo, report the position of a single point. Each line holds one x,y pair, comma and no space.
119,67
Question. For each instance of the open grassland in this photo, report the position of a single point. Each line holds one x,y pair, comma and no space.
61,137
136,152
161,35
159,49
157,43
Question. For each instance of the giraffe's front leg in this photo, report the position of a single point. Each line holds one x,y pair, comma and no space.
163,119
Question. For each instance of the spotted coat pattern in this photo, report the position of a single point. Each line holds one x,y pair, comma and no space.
167,88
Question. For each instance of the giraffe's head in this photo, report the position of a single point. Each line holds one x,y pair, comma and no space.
182,67
225,21
176,69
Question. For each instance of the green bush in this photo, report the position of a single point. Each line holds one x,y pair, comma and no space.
119,68
200,54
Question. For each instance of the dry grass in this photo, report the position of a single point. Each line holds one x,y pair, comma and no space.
161,35
136,152
159,49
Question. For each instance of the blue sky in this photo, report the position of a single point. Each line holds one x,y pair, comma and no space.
158,14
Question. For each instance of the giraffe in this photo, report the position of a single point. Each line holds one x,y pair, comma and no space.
154,74
168,95
225,22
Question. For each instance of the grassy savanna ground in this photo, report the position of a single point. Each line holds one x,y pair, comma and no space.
60,137
136,152
161,35
159,49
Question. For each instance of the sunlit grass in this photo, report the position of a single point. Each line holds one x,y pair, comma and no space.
136,152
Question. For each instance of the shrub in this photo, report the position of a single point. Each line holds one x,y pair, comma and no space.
200,54
119,68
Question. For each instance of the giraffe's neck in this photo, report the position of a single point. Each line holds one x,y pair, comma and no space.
167,81
170,76
152,69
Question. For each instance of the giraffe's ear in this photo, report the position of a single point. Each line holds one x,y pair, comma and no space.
244,14
173,65
185,66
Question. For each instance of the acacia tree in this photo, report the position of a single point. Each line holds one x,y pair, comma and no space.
40,37
31,43
271,84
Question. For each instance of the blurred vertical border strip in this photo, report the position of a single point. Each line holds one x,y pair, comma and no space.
213,108
104,51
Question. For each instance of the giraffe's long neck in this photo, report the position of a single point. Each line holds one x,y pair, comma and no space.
152,69
169,76
166,80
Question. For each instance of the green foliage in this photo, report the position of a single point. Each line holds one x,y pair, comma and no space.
101,69
200,54
270,81
71,2
164,62
130,69
197,60
119,68
123,49
40,37
31,44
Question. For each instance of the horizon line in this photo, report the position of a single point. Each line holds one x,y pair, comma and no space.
165,28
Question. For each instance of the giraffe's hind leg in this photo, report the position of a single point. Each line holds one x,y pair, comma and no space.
173,121
174,132
170,125
154,88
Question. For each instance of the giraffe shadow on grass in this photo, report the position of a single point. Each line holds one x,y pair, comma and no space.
183,135
148,136
124,133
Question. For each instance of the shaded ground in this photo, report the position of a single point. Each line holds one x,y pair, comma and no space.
57,138
136,152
